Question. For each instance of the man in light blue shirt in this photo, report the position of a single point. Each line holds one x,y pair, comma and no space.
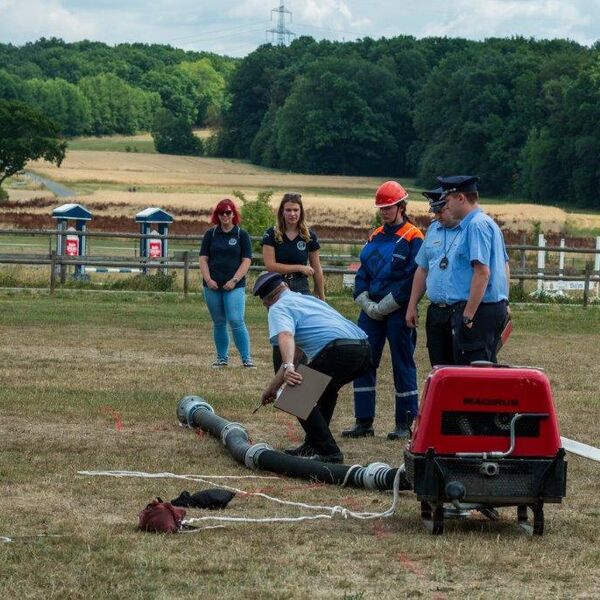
472,274
333,345
438,247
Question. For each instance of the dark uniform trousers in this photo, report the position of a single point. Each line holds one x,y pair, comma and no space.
480,341
343,360
440,340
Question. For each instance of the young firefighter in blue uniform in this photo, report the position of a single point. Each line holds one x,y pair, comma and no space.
382,289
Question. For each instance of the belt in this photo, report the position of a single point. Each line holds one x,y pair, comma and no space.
463,302
348,342
445,305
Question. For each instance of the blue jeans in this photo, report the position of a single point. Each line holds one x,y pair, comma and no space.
228,307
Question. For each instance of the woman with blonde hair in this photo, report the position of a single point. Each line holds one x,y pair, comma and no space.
292,249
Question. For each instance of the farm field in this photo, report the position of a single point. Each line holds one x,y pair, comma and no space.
92,381
106,179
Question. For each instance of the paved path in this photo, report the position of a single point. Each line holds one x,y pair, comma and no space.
60,190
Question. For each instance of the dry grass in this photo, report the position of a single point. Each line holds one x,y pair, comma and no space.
75,367
193,182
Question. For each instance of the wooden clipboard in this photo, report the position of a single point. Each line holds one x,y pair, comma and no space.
299,400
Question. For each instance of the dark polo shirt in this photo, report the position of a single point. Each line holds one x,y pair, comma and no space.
225,251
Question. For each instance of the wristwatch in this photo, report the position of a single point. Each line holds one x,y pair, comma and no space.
467,320
235,279
287,366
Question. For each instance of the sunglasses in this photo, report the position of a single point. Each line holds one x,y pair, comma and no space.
225,212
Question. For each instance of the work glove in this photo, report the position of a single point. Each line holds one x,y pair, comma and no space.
387,305
363,300
368,306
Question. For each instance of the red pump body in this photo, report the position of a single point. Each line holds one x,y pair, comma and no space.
468,409
486,437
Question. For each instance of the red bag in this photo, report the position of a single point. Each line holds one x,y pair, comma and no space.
161,517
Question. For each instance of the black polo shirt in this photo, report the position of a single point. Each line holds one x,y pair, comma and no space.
225,251
291,252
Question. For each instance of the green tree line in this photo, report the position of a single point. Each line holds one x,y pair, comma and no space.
91,88
522,114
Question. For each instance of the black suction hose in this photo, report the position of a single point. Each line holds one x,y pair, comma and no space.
194,412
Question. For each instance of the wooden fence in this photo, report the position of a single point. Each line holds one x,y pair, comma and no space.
587,278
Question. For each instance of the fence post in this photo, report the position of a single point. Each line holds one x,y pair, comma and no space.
561,259
522,264
541,261
186,273
52,272
586,284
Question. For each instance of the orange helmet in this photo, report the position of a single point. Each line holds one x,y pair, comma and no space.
389,193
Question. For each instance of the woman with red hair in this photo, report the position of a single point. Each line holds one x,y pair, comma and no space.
225,257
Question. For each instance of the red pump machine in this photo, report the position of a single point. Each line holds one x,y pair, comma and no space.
486,437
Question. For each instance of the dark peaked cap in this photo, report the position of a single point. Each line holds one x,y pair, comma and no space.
436,202
266,283
458,183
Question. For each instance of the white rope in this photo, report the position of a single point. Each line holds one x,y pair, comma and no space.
349,472
173,475
333,510
7,540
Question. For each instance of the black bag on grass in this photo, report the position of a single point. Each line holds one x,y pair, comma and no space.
211,499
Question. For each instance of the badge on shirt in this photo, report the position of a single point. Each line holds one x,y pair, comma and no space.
436,243
301,245
232,241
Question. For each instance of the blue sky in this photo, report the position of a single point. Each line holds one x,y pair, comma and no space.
236,27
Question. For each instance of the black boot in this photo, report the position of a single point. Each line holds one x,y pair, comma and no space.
363,428
304,449
401,432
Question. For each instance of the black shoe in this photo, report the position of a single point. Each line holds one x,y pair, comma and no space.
363,428
304,449
399,433
334,457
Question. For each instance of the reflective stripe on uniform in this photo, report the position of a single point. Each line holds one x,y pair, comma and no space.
404,394
364,389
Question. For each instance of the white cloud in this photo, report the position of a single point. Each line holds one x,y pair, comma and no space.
22,21
236,27
497,18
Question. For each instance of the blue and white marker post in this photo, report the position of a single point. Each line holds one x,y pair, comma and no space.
69,239
154,220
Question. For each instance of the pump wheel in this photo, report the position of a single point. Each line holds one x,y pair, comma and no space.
437,522
538,519
425,511
433,517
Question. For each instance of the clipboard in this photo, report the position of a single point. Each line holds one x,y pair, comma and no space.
299,400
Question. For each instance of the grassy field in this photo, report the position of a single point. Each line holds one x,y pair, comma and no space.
91,382
119,175
103,176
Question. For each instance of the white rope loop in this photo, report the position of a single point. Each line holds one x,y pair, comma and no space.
331,510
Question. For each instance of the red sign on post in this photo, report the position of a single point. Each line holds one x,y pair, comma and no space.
72,245
154,248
